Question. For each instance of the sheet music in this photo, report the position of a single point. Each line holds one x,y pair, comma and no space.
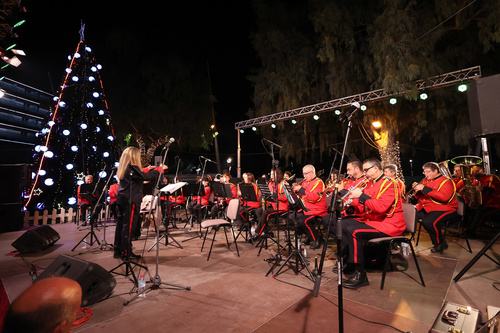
171,188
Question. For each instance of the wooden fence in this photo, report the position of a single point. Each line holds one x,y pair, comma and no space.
55,217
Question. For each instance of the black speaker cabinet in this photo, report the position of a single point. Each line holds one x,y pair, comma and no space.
36,239
96,282
483,97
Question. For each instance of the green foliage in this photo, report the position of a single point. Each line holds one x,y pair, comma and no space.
331,49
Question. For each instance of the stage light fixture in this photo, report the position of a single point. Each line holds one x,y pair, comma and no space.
294,121
254,128
273,125
462,87
242,131
363,107
424,96
229,160
393,101
316,117
337,112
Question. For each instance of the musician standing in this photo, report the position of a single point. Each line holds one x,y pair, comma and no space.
131,176
382,216
310,191
489,186
437,202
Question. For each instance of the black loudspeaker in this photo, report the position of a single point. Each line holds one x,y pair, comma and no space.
96,282
36,239
483,97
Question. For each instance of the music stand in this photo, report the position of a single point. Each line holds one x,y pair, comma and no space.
268,196
93,200
168,190
296,204
199,191
221,191
247,194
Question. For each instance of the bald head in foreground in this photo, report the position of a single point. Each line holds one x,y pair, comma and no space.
49,305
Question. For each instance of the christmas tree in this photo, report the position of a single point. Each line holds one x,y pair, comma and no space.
78,140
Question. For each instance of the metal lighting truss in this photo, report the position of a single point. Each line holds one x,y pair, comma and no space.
434,82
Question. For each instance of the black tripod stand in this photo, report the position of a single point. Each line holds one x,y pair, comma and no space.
91,233
169,189
332,216
156,280
477,257
129,265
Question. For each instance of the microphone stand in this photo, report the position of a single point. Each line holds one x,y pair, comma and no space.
156,280
331,217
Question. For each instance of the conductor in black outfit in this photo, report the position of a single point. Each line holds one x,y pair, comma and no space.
132,176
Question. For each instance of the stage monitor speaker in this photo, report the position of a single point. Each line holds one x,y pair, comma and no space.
483,97
36,239
96,282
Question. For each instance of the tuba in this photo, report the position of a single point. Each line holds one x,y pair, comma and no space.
470,194
443,168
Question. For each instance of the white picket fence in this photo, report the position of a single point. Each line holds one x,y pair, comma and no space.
63,216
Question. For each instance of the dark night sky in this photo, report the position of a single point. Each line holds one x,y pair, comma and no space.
197,30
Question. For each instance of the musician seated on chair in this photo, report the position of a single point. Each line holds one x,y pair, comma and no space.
221,203
113,204
194,207
390,170
437,202
489,187
381,216
354,178
310,190
275,205
246,206
84,203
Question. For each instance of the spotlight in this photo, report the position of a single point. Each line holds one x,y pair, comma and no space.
229,160
462,87
337,112
423,96
363,107
294,121
254,128
273,125
393,101
242,131
316,117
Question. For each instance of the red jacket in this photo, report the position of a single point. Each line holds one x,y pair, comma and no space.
491,190
283,206
204,199
382,206
253,204
113,192
438,194
313,200
348,185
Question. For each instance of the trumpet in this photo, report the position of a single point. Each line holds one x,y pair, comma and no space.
361,185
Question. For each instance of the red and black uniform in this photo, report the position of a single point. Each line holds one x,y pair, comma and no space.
84,205
194,207
129,200
246,206
401,188
274,208
490,199
113,204
315,202
437,203
381,215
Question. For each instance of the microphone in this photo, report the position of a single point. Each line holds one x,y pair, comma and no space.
347,114
272,143
335,150
177,157
209,160
170,141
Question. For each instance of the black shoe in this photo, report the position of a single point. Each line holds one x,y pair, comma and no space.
439,247
358,279
317,244
134,256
